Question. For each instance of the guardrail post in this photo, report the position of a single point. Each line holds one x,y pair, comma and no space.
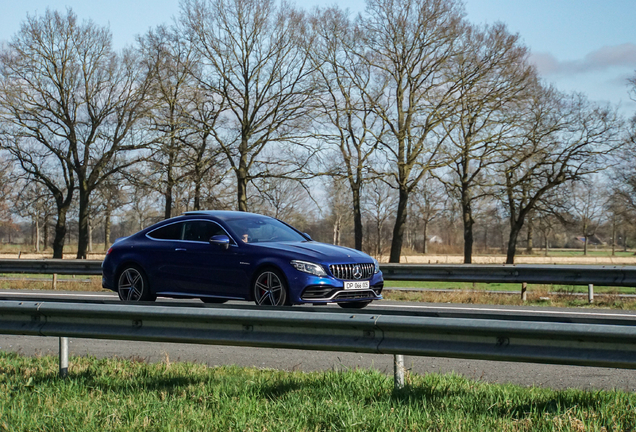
524,293
398,371
54,283
590,293
63,357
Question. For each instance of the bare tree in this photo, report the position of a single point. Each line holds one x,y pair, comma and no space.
46,167
181,117
408,45
428,200
347,121
111,195
588,201
380,202
31,202
339,206
564,139
492,75
281,198
253,63
74,97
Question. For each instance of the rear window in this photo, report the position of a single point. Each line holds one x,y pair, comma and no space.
167,232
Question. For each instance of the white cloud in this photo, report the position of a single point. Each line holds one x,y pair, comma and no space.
623,55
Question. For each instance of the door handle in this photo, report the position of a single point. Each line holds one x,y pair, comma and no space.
180,249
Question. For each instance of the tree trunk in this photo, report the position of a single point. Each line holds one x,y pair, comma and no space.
378,244
90,235
336,230
167,211
425,245
584,238
37,234
467,219
60,233
529,245
614,235
45,243
241,189
357,219
512,243
107,229
197,195
398,229
82,238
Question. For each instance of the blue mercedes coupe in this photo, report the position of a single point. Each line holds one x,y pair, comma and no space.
225,255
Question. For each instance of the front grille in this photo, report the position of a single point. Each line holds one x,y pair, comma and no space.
346,271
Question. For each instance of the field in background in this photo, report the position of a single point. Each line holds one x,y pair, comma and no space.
126,395
556,257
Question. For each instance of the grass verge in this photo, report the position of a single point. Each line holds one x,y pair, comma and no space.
128,395
566,289
534,298
45,282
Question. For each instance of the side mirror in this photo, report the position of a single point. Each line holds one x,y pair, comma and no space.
308,236
220,240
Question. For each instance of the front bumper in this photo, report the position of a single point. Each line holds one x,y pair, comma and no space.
307,288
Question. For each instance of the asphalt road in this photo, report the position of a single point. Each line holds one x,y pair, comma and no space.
526,374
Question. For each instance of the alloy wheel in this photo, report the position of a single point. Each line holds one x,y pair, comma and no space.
269,290
131,285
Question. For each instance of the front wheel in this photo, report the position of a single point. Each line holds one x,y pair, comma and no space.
132,285
270,289
354,305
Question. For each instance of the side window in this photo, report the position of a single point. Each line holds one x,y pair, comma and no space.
168,232
201,231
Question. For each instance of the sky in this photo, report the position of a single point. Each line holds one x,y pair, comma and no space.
586,46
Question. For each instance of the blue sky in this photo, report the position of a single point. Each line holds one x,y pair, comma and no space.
579,45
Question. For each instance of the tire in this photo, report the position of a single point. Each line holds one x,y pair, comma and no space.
213,300
132,285
270,289
354,305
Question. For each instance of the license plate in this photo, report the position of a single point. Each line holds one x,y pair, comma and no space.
356,285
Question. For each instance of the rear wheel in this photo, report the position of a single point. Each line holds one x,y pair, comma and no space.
132,285
354,305
270,288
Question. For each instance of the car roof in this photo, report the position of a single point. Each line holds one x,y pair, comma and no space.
224,214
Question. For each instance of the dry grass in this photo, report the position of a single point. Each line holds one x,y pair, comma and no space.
521,259
42,282
539,297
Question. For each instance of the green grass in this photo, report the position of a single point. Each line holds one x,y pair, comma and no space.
125,395
579,252
506,287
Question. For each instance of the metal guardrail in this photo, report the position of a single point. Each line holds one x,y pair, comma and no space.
603,342
505,273
514,273
52,266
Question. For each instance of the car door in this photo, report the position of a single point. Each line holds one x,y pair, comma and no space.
164,252
207,269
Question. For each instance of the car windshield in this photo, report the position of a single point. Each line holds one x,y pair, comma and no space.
253,230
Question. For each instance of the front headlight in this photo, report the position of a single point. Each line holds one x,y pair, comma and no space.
308,267
376,265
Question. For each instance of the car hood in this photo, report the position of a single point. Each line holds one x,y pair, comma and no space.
321,252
